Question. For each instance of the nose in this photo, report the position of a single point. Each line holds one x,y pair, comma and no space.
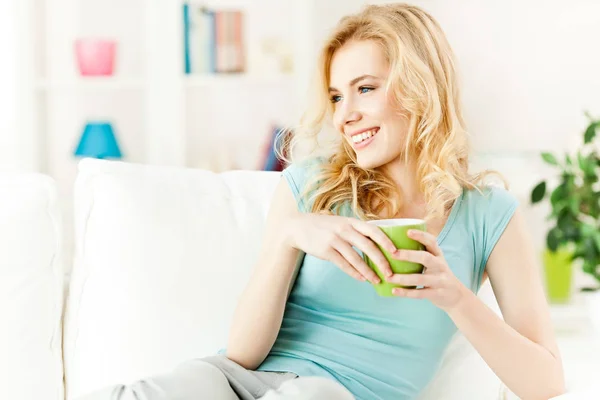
347,114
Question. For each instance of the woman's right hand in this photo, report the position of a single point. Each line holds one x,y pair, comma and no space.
331,237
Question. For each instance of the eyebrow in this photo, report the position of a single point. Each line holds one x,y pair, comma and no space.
353,81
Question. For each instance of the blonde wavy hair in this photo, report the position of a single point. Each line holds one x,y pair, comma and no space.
423,80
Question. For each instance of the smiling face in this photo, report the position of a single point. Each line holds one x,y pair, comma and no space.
363,112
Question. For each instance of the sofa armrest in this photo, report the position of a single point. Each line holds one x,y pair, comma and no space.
31,287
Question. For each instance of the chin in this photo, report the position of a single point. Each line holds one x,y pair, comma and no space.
373,161
369,162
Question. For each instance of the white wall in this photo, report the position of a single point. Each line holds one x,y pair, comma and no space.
8,118
19,144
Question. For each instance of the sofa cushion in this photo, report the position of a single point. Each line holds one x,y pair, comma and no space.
31,282
162,255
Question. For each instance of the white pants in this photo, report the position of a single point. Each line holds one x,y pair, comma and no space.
217,378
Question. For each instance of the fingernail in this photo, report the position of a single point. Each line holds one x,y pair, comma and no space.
377,281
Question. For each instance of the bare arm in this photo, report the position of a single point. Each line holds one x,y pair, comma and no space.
522,349
289,235
259,312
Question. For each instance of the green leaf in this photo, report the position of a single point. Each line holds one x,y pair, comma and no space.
574,204
597,239
581,161
572,234
553,239
579,253
559,197
588,164
588,267
588,230
590,132
590,179
591,252
568,160
538,192
549,158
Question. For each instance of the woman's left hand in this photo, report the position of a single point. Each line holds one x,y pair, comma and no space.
439,284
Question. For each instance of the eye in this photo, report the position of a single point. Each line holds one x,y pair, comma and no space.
335,98
365,89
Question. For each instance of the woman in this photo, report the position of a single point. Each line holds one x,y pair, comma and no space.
387,85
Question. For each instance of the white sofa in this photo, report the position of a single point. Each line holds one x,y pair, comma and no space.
162,254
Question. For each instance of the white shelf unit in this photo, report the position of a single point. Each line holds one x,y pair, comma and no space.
159,113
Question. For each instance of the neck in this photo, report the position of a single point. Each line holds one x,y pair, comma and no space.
404,175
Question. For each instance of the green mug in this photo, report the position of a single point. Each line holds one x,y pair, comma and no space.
396,230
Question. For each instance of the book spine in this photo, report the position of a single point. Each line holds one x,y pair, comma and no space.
229,41
196,51
211,40
220,60
186,38
239,41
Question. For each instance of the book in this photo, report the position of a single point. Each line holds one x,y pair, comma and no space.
186,38
213,40
229,41
270,161
202,40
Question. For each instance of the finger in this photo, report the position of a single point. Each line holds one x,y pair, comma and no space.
355,260
427,239
344,265
412,293
414,280
368,247
425,258
375,234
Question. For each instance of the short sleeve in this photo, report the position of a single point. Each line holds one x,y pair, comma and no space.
298,176
499,206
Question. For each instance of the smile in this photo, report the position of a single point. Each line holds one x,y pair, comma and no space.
363,138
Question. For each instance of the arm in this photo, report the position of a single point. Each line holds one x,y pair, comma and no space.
522,349
259,312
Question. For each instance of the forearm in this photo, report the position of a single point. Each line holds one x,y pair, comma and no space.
526,368
260,309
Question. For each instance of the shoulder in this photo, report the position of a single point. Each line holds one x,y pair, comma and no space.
299,176
491,208
489,200
485,214
298,173
487,211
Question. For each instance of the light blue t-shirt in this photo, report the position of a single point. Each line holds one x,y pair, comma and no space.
381,348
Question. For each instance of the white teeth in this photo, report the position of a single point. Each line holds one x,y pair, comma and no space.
363,136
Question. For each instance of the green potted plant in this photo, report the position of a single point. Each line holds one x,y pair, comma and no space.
575,212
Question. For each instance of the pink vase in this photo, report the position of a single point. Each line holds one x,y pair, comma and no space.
95,57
